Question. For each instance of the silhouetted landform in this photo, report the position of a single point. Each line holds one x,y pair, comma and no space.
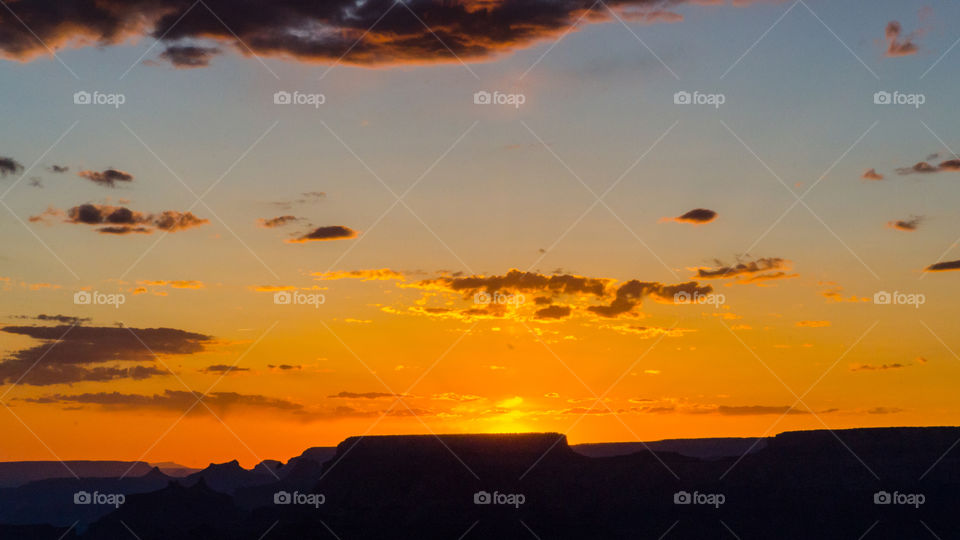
17,473
698,448
860,483
176,470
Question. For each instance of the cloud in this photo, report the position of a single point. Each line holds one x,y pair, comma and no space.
630,295
63,319
520,281
176,284
756,410
9,166
898,44
944,266
834,293
224,369
320,234
908,225
381,274
278,221
697,216
755,272
923,167
553,312
872,174
173,400
881,367
93,353
122,220
309,197
58,169
363,395
189,56
371,33
108,178
813,324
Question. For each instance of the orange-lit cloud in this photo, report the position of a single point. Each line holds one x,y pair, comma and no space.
898,44
813,324
908,225
121,220
872,174
369,33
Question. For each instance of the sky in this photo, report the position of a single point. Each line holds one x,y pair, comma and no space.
673,219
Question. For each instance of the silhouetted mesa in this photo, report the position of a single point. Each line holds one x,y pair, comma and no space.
894,482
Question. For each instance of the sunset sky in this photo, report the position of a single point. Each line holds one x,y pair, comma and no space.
398,206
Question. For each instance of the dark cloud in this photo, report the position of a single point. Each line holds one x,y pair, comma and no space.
58,169
519,281
943,266
122,220
90,353
754,410
309,197
697,216
108,178
320,234
363,395
223,368
278,221
9,165
908,225
189,56
173,400
553,312
742,269
920,168
898,44
63,319
375,32
631,294
284,367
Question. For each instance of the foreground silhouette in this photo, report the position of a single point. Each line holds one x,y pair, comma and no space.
885,483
